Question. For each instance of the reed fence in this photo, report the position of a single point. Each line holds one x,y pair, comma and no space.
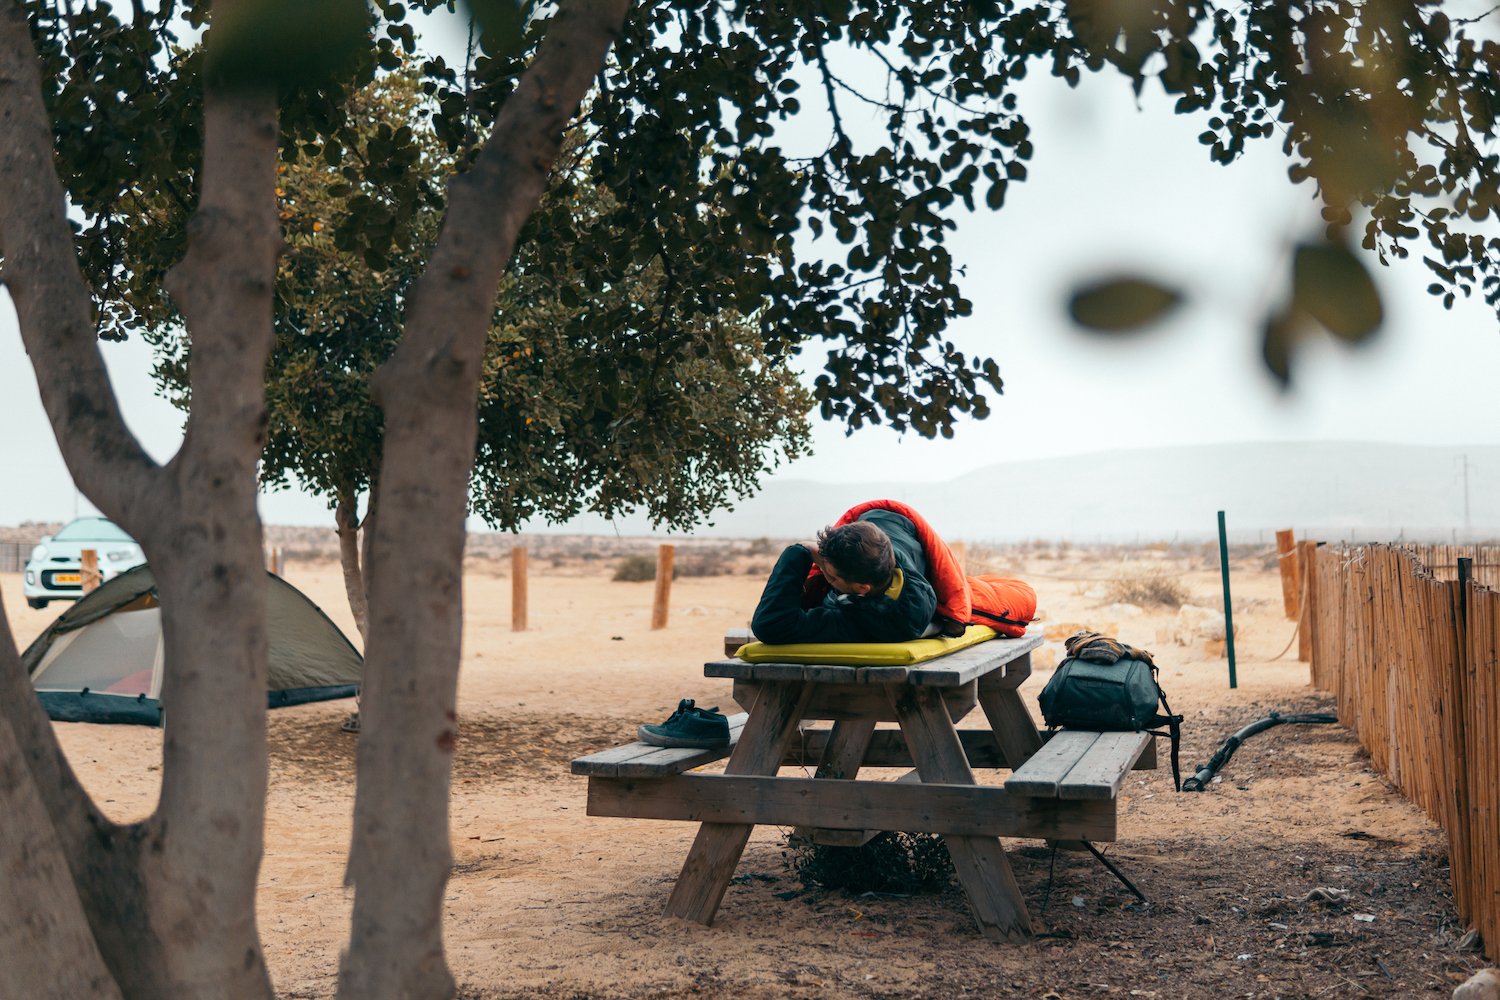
1413,661
1442,561
13,556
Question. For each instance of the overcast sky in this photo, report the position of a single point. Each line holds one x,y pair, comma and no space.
1112,188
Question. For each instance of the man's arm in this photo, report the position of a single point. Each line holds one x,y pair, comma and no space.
780,617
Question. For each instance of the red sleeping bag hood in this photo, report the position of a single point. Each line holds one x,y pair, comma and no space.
1003,604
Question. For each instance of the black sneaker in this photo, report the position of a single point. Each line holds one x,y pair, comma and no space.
689,726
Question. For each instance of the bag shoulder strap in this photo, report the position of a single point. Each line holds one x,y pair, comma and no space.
1173,722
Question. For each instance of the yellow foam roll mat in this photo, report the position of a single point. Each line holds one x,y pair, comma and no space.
864,654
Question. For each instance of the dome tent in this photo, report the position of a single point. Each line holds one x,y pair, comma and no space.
101,660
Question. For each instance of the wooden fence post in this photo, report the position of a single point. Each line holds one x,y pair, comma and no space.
663,587
1291,589
518,588
1307,562
88,569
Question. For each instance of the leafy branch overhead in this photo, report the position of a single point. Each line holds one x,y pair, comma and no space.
1387,108
675,415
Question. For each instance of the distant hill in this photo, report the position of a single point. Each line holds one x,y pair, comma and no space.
1330,490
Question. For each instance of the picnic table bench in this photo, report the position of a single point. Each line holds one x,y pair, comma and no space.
1063,789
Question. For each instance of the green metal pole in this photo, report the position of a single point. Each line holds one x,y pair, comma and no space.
1228,610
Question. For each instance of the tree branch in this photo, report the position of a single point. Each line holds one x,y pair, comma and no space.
51,298
401,854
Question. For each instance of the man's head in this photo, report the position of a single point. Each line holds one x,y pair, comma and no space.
856,558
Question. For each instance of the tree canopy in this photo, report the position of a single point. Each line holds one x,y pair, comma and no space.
673,413
1387,109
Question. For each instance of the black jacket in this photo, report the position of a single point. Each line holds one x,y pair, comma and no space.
901,612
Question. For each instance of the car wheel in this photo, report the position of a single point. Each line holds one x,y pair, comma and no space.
37,602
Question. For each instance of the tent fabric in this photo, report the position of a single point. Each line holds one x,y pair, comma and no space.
101,660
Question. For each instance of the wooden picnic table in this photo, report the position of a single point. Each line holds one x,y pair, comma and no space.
1066,794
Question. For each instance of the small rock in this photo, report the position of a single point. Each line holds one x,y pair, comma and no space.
1483,985
1196,624
1079,902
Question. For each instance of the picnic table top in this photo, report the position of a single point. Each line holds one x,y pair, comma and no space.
951,670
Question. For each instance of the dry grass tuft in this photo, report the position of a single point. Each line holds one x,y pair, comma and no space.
1158,586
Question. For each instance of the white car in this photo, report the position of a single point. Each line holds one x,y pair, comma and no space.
53,572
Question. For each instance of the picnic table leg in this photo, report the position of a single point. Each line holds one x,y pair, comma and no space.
846,748
994,897
1009,721
842,758
717,848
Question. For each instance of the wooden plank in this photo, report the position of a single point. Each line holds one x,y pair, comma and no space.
979,861
1012,725
1101,770
951,670
518,591
1291,589
952,810
823,673
1044,772
833,837
860,703
1145,762
717,848
643,760
972,663
840,761
735,638
741,671
888,749
1012,677
661,600
845,751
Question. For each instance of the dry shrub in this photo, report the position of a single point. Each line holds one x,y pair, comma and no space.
1154,587
890,862
633,569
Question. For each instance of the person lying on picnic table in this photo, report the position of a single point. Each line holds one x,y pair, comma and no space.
881,574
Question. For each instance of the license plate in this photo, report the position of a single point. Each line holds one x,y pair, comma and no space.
67,578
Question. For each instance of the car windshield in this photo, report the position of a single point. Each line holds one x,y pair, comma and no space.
93,529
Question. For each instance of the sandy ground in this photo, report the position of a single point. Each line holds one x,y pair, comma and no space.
545,901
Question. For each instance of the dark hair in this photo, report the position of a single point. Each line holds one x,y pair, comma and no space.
860,553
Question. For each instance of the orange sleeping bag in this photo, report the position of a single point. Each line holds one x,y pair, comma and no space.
1004,604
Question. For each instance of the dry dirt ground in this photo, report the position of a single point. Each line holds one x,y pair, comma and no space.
547,902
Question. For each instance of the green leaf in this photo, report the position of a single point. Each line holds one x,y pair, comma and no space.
502,25
1119,305
1331,284
287,43
1278,338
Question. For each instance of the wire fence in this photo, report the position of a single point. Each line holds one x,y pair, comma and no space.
1413,660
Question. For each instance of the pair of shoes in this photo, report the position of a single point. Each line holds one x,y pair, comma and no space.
689,726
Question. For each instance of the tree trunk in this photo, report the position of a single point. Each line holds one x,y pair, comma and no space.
34,873
401,854
170,902
346,517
